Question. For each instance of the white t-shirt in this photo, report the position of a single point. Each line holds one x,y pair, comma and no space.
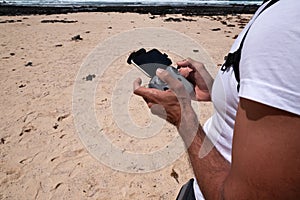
269,72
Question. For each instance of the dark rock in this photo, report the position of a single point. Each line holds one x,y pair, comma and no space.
7,21
58,21
60,118
77,37
172,19
28,64
22,85
230,25
215,29
55,126
175,175
223,22
90,77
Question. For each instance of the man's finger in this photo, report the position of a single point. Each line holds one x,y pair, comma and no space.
185,71
149,94
186,62
137,83
166,77
174,84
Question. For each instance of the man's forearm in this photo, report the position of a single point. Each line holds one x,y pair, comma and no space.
211,170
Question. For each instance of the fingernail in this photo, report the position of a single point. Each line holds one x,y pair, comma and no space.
159,70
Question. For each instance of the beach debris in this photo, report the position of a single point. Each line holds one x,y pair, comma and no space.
22,85
223,22
195,50
27,115
77,37
28,64
58,45
7,21
152,17
175,175
52,159
230,25
3,141
87,31
55,126
58,21
62,136
12,54
60,118
90,77
27,129
172,19
242,22
57,185
215,29
234,37
10,21
109,27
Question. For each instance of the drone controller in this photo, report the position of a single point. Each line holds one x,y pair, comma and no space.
157,83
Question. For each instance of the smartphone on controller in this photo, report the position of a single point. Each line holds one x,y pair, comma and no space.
149,62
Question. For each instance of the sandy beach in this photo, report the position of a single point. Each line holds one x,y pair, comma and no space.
41,154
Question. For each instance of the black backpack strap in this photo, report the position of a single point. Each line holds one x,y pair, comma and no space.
233,59
187,191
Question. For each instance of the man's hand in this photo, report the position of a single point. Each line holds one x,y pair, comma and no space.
196,73
166,104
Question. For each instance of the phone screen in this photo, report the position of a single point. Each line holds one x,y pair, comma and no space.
149,62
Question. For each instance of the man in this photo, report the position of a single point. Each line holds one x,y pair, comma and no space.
262,115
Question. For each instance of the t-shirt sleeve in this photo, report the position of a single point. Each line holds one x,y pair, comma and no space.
270,62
